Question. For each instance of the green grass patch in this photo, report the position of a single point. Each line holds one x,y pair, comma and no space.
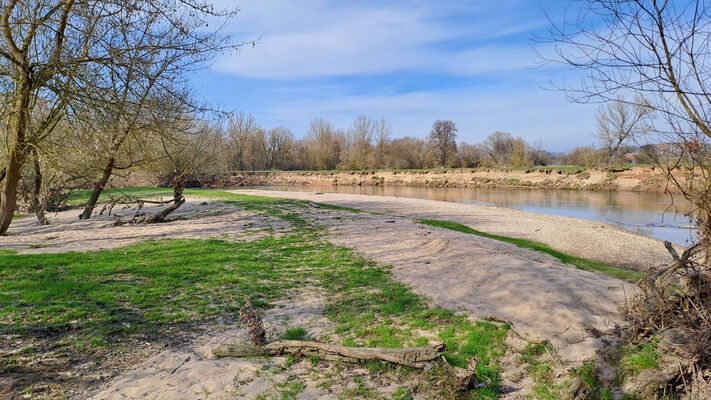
297,333
138,288
92,301
373,310
80,197
580,263
636,359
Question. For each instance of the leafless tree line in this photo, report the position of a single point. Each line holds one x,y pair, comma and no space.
366,144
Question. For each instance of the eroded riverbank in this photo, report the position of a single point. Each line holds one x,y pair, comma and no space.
641,179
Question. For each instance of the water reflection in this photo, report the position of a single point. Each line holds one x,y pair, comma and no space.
649,214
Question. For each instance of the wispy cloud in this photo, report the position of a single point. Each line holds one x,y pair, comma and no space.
319,38
408,61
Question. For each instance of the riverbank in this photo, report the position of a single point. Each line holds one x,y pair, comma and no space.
317,270
640,179
577,237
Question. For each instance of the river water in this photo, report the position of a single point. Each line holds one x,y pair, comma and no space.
649,214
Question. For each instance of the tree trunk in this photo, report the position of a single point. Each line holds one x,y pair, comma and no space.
178,200
415,357
98,188
17,153
37,191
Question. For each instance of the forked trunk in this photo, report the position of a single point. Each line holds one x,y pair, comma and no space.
98,188
178,200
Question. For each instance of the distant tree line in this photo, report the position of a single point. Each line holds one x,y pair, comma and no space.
367,144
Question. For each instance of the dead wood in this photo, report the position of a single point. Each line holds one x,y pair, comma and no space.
250,317
415,357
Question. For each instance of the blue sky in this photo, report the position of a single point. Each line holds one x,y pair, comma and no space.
410,62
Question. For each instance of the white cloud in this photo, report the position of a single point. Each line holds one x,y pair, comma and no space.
528,112
319,38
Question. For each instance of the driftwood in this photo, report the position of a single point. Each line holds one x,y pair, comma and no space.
250,317
415,357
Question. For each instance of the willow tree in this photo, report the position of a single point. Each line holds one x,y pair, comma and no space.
49,50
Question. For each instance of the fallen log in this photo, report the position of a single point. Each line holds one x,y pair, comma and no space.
415,357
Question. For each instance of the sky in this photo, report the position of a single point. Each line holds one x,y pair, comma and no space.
409,62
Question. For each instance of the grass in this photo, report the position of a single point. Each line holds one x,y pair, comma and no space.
580,263
137,288
636,359
297,333
87,303
548,387
79,197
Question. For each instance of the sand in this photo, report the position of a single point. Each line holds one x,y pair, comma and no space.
542,298
196,219
191,371
578,237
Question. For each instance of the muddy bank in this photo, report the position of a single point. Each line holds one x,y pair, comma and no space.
646,179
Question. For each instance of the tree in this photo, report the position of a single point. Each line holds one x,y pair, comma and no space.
383,130
584,156
619,123
51,50
469,155
279,145
499,146
136,90
410,153
360,138
239,129
192,146
658,51
323,145
443,138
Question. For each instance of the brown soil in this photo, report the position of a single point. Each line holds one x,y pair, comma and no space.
640,179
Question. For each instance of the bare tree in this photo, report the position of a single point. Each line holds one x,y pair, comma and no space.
279,145
469,155
619,123
383,130
659,52
323,145
443,137
409,153
240,128
360,146
48,48
499,146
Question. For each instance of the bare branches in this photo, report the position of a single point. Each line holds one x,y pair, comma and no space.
443,136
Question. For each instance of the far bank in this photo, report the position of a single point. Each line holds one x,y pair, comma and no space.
634,178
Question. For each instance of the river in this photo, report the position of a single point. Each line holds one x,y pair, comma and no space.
649,214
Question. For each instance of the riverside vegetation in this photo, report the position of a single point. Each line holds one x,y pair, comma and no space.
98,305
